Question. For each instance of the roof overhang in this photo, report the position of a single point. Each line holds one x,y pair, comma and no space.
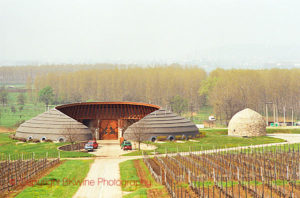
107,110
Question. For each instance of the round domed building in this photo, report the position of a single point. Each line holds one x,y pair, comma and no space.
53,125
161,123
247,123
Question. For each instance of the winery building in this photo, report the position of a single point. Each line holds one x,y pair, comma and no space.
102,121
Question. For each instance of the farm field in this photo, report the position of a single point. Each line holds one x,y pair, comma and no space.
61,182
21,170
13,147
269,172
139,182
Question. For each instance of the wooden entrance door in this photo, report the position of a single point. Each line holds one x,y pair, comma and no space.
108,130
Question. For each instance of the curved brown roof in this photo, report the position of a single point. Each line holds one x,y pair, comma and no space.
107,110
162,122
53,125
107,103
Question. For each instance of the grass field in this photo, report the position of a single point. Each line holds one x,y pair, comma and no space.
11,119
9,146
215,138
283,130
128,172
201,115
56,184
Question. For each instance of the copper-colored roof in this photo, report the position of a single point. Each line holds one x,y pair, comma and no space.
107,110
106,103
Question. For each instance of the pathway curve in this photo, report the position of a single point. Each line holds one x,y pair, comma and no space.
290,138
105,174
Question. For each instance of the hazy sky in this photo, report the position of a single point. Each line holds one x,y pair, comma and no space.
146,31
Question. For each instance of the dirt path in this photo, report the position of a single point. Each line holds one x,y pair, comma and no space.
290,138
104,174
6,130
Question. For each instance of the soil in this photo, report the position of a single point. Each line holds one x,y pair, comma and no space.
5,130
155,193
141,174
155,166
151,193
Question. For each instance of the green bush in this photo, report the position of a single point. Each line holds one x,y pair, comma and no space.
161,138
178,137
201,134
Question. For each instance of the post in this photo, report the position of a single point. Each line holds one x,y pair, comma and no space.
267,114
274,117
292,116
277,114
284,115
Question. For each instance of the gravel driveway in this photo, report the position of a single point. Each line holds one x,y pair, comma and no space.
103,178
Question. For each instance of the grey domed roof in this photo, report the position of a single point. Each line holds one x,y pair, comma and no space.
53,124
247,123
162,122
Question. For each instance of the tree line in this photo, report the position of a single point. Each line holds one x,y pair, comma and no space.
157,85
23,74
182,89
277,90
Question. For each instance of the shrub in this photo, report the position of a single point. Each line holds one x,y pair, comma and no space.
22,139
178,137
36,140
201,134
161,138
18,138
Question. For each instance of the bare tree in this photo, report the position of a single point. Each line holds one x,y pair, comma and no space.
139,133
71,135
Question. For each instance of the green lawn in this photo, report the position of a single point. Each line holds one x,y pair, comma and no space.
30,110
58,178
9,146
283,130
128,173
215,138
202,114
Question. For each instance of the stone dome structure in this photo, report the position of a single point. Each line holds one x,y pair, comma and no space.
53,125
247,123
161,123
